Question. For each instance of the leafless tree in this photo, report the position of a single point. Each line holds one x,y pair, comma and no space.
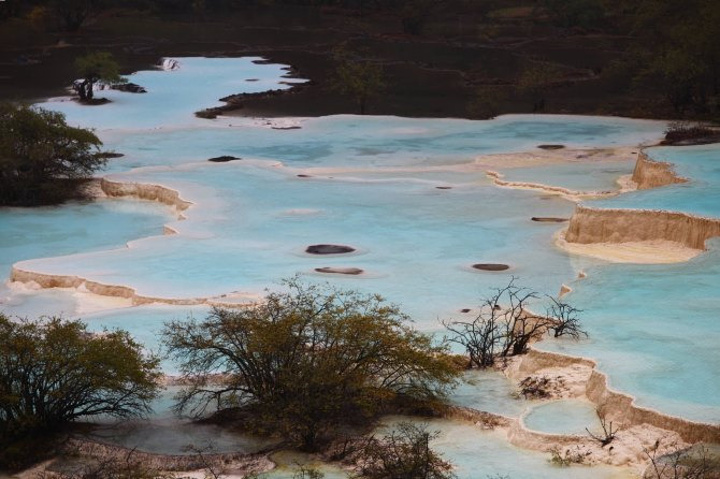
609,432
503,327
681,463
563,319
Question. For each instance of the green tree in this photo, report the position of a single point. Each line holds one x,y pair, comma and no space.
95,67
357,77
42,159
306,360
404,453
53,372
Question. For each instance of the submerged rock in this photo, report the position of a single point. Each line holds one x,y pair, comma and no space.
110,154
551,147
491,266
328,249
330,269
129,87
223,159
549,219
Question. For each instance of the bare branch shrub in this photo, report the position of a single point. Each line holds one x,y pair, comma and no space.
540,387
609,432
504,327
568,457
681,463
563,319
404,453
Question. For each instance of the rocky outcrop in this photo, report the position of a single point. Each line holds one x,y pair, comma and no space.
615,406
47,281
572,195
168,64
652,174
336,270
596,225
622,409
239,462
128,87
143,191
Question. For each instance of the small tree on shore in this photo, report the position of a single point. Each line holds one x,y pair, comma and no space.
306,361
357,77
42,159
95,67
53,372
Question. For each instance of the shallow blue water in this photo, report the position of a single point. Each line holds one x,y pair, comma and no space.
597,176
476,453
373,186
563,417
654,329
699,196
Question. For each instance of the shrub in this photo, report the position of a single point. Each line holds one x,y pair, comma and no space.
42,159
306,361
53,372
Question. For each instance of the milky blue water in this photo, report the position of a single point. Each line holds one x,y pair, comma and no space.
490,391
373,184
654,329
476,453
598,176
699,196
569,416
165,434
71,228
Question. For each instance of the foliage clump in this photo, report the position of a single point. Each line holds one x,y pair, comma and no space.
403,453
53,372
95,67
358,77
306,361
42,159
697,462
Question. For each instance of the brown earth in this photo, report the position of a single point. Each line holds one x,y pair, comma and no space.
435,74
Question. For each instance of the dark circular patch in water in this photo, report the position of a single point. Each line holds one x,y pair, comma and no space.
328,249
491,266
444,187
329,269
551,147
304,176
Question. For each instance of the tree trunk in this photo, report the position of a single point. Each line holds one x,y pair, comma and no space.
85,90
